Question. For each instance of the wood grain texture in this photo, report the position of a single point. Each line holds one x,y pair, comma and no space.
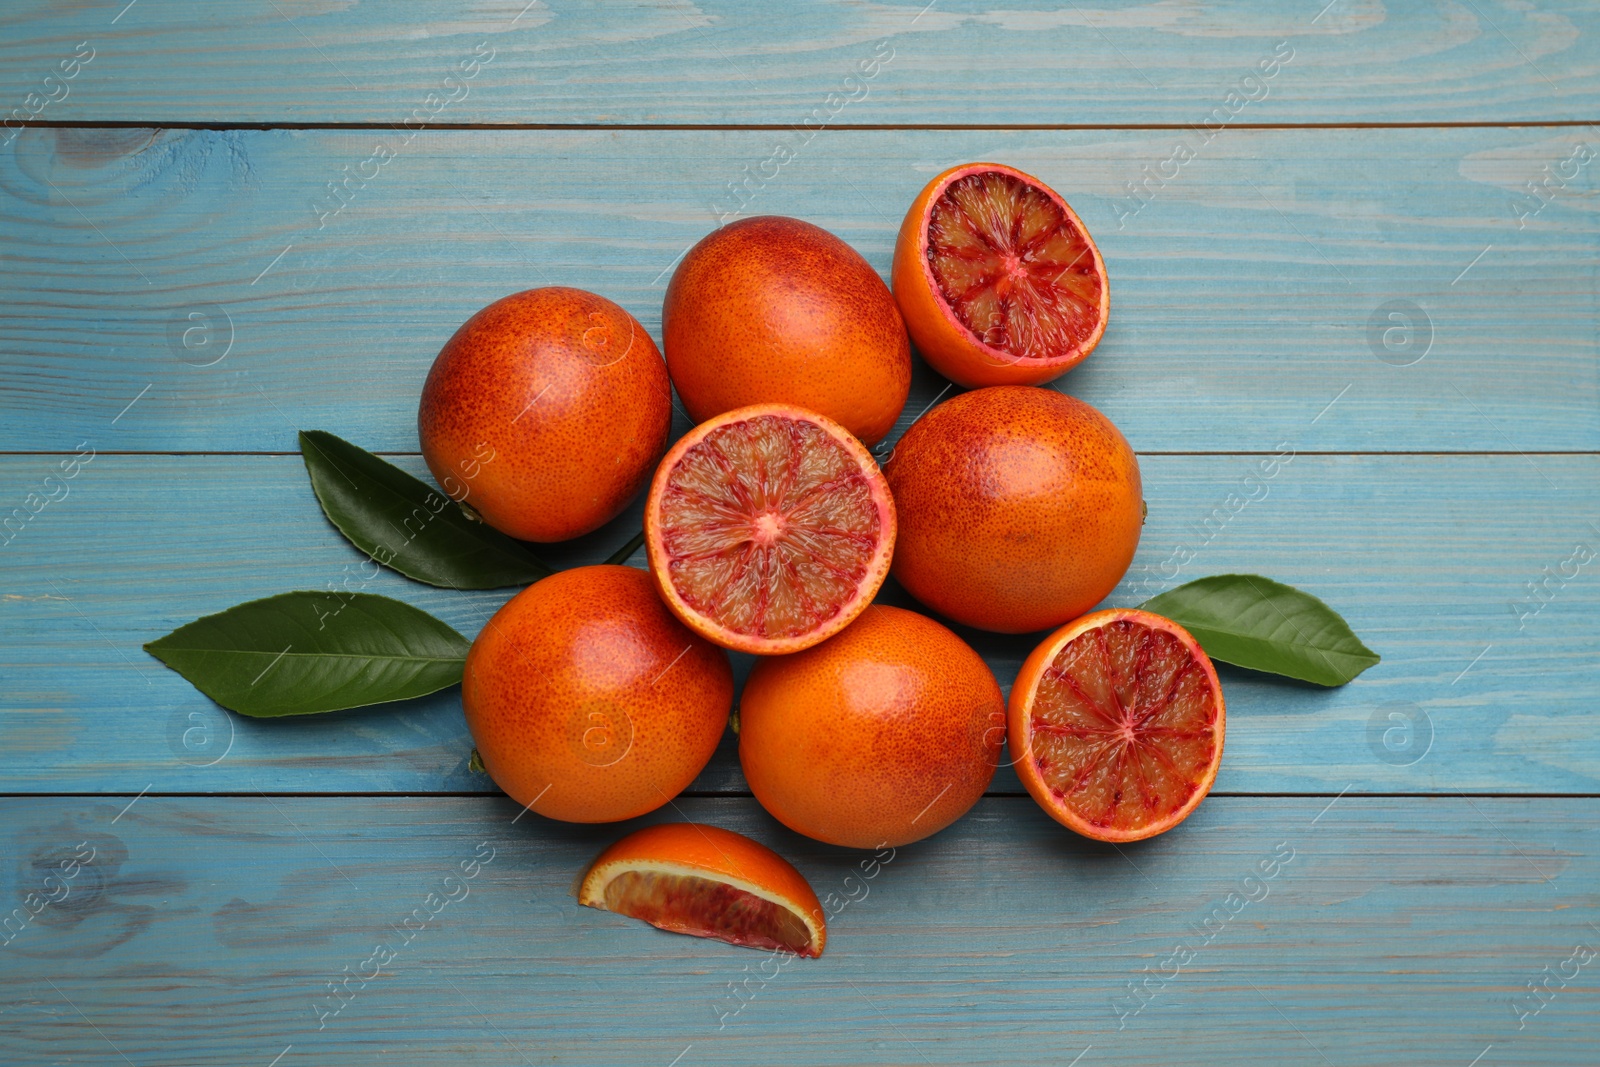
1484,685
206,930
191,265
215,290
727,61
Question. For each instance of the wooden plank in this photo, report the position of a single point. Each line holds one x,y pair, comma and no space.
1246,291
206,930
721,61
1484,685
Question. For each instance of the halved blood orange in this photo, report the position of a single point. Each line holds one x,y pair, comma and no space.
688,878
769,528
998,279
1115,724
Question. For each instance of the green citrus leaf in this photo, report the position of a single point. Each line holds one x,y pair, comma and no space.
308,652
404,523
1255,622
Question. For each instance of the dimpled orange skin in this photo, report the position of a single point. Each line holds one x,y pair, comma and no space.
588,702
882,735
942,339
1019,508
547,409
772,309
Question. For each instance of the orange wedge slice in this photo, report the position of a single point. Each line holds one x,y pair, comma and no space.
689,878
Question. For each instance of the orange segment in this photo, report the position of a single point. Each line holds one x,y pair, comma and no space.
689,878
1116,723
769,528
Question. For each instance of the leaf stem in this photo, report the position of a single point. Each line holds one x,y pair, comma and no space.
623,554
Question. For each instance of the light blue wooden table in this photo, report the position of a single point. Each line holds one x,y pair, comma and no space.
203,249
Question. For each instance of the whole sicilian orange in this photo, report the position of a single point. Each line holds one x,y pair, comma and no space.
1019,508
546,412
589,702
998,279
775,310
881,735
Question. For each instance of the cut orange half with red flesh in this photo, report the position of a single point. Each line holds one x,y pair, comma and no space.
769,528
1115,724
998,279
688,878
